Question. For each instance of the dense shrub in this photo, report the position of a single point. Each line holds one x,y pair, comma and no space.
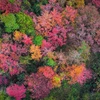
10,22
25,23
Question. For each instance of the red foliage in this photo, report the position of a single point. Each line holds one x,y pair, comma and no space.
38,85
27,40
10,53
96,2
46,47
8,7
16,91
47,71
71,13
57,37
55,23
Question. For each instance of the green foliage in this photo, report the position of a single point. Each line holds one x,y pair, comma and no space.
3,96
88,86
74,93
20,77
1,28
50,62
44,2
86,96
25,59
91,96
26,5
38,40
25,23
8,98
84,51
65,92
11,1
27,96
10,22
33,66
36,8
59,93
95,96
49,98
94,64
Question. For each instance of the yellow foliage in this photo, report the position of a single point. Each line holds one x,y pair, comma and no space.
79,3
51,55
74,3
17,35
56,81
36,53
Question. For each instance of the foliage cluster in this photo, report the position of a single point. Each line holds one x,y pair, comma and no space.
49,50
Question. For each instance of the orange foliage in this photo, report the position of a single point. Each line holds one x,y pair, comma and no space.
36,53
74,71
18,35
